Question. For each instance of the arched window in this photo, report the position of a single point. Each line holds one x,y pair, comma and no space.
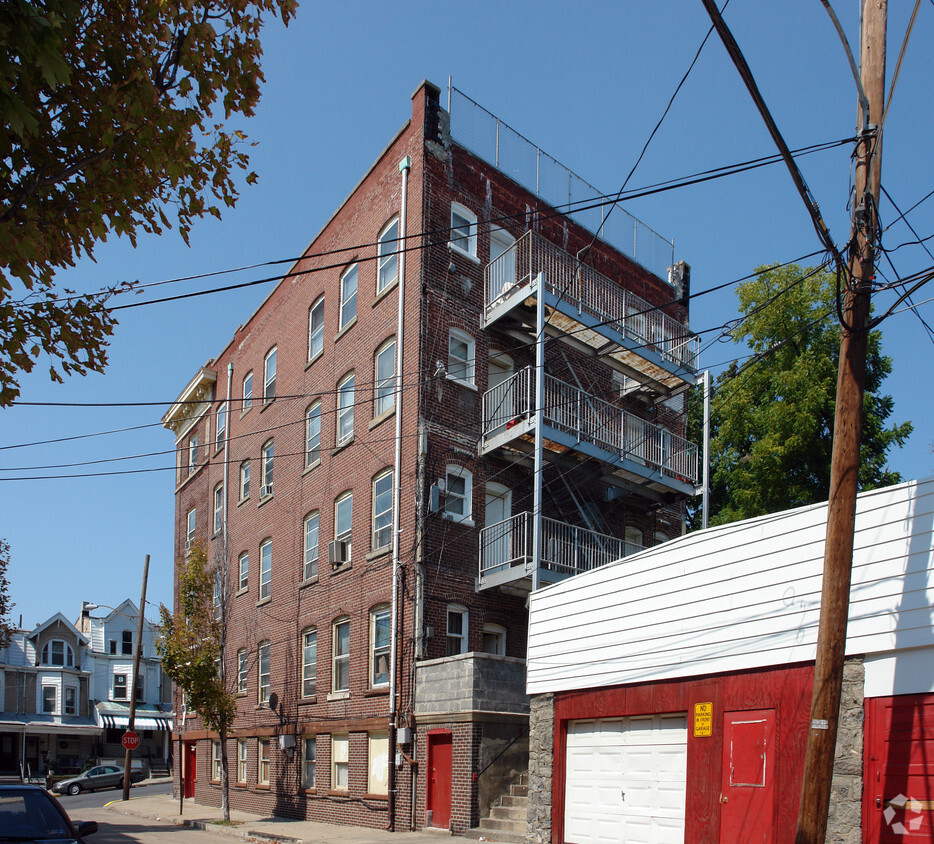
57,652
388,256
316,329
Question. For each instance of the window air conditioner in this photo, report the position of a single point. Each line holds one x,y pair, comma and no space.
265,490
188,544
338,552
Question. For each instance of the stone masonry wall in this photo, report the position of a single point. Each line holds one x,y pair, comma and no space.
541,761
844,824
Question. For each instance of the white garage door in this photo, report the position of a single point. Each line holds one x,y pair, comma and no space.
625,780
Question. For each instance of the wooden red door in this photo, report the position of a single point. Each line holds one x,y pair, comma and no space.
191,768
438,793
747,791
898,785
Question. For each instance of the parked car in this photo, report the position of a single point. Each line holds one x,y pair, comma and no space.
101,776
28,813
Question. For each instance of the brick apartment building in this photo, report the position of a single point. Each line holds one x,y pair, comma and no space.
367,465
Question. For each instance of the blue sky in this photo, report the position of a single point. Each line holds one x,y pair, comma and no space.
587,82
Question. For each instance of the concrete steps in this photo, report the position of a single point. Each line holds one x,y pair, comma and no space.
508,820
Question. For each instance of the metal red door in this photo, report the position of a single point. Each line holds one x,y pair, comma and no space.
438,795
191,768
747,795
898,787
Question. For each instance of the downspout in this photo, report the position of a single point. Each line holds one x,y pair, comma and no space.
539,415
706,467
404,167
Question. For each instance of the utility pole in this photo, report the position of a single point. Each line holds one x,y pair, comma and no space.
844,472
128,758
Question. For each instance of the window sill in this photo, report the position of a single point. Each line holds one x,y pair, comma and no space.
263,500
242,591
339,696
245,411
458,520
191,475
262,786
345,329
243,500
312,466
380,797
332,793
267,403
458,251
308,701
311,790
240,785
378,420
382,294
378,552
311,581
466,384
379,691
341,568
313,358
341,446
262,601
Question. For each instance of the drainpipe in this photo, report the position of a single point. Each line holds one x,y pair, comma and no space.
539,414
706,467
404,167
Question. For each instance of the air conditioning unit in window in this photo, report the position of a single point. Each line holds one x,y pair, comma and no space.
338,552
188,544
265,490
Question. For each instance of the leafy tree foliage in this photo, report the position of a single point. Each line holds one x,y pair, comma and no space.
113,115
772,416
6,605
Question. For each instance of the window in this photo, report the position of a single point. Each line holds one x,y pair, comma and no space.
501,272
48,699
269,376
633,541
660,537
458,486
241,760
387,262
316,329
218,508
339,755
309,661
126,645
262,773
343,521
340,675
266,470
345,403
71,700
215,760
242,668
460,356
463,230
382,509
265,569
244,480
190,537
244,580
310,568
140,689
379,646
377,763
247,391
457,629
308,762
120,687
113,646
263,672
348,297
494,639
221,424
218,586
58,652
384,390
313,434
192,453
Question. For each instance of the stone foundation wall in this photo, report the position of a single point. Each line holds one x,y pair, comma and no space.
844,823
541,761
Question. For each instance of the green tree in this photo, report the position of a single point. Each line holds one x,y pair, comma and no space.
113,120
6,605
192,650
772,415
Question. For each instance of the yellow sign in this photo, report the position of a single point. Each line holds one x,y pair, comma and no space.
703,720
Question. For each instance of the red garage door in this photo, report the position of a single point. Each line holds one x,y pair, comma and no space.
898,793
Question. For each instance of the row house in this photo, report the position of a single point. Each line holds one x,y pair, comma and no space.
462,392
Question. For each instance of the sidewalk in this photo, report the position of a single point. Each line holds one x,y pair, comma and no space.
164,808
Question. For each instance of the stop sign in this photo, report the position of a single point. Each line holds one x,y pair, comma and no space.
130,740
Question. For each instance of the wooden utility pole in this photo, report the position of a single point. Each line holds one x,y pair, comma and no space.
844,472
137,652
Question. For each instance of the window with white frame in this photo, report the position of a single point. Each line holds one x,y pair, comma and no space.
458,494
190,536
49,699
309,661
218,508
221,424
339,757
456,629
218,587
310,565
494,639
57,652
660,537
244,480
348,297
265,569
463,230
120,687
192,454
382,509
269,376
379,645
343,521
243,667
316,329
460,357
266,462
71,700
263,672
387,263
384,383
243,578
377,763
262,771
313,434
345,408
340,671
126,643
308,762
242,756
215,761
247,391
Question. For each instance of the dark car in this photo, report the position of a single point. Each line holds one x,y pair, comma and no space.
29,813
101,776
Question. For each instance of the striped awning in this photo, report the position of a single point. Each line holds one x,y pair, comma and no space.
140,722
